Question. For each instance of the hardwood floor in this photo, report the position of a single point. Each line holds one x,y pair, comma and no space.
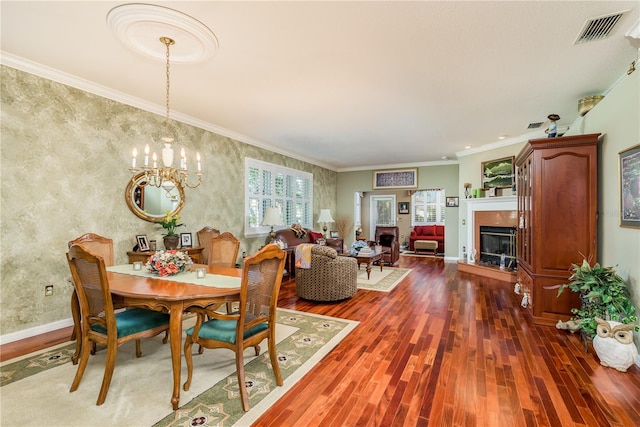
450,349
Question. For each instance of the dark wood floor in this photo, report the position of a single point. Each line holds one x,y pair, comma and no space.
446,349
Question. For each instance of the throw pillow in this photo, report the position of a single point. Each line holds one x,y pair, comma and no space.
315,236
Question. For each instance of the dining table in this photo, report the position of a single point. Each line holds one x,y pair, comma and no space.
175,295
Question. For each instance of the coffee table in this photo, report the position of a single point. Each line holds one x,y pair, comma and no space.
368,259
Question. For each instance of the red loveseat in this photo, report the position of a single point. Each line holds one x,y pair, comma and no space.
428,232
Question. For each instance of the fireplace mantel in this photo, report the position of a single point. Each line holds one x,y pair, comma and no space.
504,203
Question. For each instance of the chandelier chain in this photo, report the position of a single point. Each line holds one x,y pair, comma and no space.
168,42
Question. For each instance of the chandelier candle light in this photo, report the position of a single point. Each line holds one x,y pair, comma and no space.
155,175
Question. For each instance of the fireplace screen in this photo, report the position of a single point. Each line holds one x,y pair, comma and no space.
495,241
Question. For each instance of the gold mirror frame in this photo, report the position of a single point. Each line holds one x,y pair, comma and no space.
141,213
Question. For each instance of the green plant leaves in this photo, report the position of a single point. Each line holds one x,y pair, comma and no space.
603,294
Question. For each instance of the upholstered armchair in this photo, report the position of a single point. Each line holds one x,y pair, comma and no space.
389,239
330,278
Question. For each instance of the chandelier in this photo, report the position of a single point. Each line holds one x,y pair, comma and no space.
160,176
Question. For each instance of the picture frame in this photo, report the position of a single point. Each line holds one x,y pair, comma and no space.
395,179
143,243
452,202
185,240
629,183
403,207
333,234
498,173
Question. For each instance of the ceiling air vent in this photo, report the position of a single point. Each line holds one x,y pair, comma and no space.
598,28
535,125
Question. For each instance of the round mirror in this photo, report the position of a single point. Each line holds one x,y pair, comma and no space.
150,202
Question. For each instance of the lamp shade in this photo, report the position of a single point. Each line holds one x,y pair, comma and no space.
325,216
272,217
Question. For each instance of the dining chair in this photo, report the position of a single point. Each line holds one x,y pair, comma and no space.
100,323
223,250
99,245
204,239
254,321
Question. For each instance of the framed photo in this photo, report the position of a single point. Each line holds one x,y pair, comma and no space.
393,179
498,173
453,202
143,243
629,176
185,240
403,207
333,234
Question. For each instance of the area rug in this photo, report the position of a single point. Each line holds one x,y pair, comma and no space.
35,388
383,281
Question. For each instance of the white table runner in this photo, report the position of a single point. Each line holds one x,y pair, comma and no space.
214,280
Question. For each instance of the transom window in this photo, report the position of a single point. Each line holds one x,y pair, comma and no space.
268,185
428,207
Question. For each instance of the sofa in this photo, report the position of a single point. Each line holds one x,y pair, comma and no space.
428,232
330,278
389,238
289,236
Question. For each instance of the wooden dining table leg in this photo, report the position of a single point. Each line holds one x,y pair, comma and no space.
175,341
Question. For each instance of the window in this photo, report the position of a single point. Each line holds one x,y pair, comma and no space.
268,185
428,207
382,212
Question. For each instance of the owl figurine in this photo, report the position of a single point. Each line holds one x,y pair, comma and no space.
614,344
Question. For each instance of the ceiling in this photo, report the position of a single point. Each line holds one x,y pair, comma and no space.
345,85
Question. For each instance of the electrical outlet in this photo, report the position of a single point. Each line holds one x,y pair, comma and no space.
48,290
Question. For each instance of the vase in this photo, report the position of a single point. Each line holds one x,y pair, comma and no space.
171,242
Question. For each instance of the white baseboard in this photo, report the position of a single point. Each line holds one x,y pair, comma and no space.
36,330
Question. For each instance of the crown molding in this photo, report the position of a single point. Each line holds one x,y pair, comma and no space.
58,76
399,166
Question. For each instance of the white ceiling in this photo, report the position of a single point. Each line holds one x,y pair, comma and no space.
346,85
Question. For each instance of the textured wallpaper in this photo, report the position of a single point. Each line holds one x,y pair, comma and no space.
64,164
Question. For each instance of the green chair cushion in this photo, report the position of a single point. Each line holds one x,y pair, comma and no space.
135,320
224,330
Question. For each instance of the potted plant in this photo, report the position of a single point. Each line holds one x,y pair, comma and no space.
603,294
170,223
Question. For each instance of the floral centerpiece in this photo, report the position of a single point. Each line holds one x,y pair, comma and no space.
170,223
168,263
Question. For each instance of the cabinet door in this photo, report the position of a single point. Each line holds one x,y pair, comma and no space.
565,210
524,212
547,306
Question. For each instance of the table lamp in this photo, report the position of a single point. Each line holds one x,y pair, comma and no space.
272,217
324,218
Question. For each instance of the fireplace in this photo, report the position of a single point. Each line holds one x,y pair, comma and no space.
496,241
496,213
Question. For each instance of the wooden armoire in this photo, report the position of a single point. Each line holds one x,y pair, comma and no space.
557,219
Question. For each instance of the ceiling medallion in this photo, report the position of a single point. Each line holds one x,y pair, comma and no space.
139,26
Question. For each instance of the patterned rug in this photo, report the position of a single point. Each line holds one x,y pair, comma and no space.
383,281
35,388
